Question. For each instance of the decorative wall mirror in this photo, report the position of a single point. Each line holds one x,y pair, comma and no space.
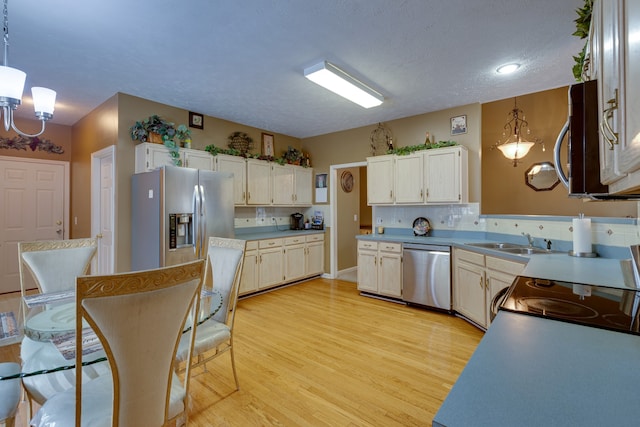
541,176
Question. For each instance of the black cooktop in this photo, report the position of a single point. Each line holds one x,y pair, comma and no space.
598,306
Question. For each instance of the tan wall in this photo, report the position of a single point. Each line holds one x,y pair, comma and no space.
348,229
354,145
56,134
503,186
94,132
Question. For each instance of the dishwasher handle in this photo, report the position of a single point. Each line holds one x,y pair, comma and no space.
421,247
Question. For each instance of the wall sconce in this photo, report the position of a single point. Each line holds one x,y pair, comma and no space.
337,81
514,146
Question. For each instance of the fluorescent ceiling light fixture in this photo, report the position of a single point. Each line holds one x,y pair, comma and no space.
507,68
337,81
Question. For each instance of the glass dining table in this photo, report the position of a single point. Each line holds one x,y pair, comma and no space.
48,338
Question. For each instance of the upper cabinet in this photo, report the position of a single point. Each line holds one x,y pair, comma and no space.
435,176
255,182
615,55
380,179
152,156
238,167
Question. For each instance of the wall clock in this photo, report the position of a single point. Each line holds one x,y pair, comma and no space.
346,181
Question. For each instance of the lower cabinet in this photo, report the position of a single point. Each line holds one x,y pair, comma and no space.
380,268
273,262
477,279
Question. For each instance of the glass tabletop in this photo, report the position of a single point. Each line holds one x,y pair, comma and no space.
50,318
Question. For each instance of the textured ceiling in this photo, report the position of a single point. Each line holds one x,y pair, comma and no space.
243,61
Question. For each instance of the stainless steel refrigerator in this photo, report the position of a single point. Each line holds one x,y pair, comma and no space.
174,211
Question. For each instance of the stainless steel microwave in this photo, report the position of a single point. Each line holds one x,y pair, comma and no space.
583,177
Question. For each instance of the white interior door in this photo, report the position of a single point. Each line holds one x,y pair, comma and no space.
103,209
35,206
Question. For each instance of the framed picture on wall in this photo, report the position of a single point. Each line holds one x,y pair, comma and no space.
267,144
459,125
196,120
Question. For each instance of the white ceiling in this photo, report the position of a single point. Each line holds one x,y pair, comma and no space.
243,60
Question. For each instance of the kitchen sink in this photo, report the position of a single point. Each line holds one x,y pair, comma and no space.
498,246
511,248
525,251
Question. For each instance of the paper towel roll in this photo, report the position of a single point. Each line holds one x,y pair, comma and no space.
582,235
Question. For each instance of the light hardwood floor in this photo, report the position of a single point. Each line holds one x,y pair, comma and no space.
319,354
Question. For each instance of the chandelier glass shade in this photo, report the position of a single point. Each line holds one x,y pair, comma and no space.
516,137
12,83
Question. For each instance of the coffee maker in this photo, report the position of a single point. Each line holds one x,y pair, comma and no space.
297,221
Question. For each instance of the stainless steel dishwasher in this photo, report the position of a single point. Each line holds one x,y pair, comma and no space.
426,275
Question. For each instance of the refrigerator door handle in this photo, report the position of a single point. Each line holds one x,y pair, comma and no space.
203,224
196,221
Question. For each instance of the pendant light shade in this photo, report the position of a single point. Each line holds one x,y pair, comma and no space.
12,83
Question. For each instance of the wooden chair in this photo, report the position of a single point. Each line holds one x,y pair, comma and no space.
139,318
215,336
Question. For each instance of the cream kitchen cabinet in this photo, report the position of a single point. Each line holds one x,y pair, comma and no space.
380,268
238,167
380,180
196,159
616,57
258,182
303,184
446,176
249,278
270,263
291,185
303,256
152,156
477,279
409,179
435,176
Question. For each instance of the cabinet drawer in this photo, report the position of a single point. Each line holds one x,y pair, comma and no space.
315,237
270,243
390,247
506,266
294,240
472,257
367,245
251,245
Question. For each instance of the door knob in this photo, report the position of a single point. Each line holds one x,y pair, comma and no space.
99,236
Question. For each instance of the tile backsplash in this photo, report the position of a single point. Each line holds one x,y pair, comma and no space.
606,232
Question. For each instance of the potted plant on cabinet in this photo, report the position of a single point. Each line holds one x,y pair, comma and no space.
145,131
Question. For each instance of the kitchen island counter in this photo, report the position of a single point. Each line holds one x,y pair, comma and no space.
530,371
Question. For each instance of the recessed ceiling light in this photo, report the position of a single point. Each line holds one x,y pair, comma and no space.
507,68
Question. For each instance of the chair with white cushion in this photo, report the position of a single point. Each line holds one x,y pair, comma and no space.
53,266
139,319
215,336
9,393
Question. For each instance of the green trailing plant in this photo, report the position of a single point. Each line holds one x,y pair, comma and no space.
583,23
167,130
403,151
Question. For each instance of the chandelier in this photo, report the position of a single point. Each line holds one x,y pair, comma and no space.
514,145
12,85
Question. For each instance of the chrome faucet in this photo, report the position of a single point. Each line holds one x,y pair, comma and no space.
529,238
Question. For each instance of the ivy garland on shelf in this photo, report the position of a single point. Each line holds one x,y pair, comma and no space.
403,151
291,156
